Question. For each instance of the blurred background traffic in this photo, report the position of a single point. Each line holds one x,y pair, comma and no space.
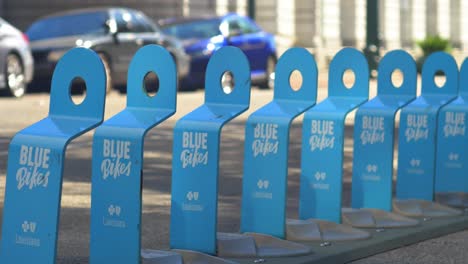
39,32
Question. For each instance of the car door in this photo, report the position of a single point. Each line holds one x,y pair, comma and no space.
250,39
126,42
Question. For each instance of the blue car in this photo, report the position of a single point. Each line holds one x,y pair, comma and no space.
202,36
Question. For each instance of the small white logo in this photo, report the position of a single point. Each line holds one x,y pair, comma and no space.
29,227
263,184
453,156
262,192
320,176
371,168
415,163
114,210
192,196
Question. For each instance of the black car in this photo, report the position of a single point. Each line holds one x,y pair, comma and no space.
114,33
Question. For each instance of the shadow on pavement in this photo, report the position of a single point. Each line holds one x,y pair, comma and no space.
73,246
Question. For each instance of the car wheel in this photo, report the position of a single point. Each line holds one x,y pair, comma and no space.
106,63
185,86
15,82
269,80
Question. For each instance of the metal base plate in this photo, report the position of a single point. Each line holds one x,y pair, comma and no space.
374,218
453,199
257,245
235,245
178,256
194,257
346,251
423,208
320,230
151,256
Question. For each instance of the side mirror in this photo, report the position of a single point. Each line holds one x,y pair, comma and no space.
110,27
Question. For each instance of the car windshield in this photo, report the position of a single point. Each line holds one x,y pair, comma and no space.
68,25
193,30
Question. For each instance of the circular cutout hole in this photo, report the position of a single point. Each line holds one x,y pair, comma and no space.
295,80
397,78
349,78
440,78
151,84
78,90
227,82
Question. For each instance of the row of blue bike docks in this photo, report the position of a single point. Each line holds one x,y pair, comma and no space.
432,158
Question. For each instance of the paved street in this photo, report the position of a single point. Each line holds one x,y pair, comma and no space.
74,220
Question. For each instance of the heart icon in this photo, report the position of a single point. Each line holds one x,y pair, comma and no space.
111,210
32,227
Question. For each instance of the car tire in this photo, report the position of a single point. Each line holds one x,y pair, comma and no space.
269,80
106,63
185,86
15,80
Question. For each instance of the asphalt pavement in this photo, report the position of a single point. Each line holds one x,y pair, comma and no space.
73,244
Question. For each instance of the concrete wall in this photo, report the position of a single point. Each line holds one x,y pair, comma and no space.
299,23
412,22
459,24
322,26
331,26
237,6
389,24
265,10
438,18
199,7
353,23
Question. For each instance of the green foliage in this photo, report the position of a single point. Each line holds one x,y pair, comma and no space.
434,43
429,45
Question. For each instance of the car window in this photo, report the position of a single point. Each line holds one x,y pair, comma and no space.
247,27
69,25
234,27
146,24
241,26
129,22
197,29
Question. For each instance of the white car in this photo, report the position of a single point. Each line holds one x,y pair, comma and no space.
16,61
